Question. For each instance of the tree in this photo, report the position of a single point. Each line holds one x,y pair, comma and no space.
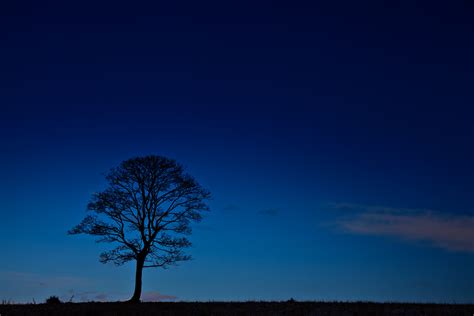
146,211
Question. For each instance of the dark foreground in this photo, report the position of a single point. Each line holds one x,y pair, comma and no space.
244,308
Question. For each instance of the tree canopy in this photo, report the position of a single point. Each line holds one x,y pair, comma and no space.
146,212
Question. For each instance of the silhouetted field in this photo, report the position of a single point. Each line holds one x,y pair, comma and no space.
240,308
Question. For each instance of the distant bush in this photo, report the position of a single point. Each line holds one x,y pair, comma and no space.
53,300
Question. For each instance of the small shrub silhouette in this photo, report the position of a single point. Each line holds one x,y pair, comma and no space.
53,300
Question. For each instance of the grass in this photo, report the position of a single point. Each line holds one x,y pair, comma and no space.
240,308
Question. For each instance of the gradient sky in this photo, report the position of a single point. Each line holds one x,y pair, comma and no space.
336,138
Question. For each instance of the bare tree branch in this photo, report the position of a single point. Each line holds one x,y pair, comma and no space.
148,203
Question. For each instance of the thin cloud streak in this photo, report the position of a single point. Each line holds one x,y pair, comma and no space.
154,296
450,232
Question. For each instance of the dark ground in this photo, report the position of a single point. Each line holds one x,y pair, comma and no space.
240,308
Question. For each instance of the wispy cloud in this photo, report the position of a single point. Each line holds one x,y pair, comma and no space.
101,297
87,296
154,296
357,208
447,231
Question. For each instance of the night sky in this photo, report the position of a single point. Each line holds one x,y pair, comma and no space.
337,139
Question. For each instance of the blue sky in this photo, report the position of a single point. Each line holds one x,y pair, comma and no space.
336,141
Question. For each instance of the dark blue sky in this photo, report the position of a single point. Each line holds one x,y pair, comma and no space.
336,138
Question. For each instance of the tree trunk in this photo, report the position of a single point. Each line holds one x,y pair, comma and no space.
138,280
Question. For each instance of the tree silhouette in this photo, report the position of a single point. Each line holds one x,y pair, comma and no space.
146,211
